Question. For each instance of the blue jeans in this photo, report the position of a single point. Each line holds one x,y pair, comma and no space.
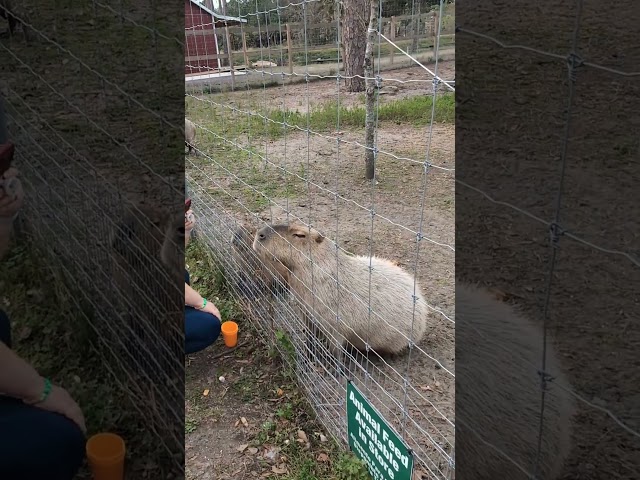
34,443
201,329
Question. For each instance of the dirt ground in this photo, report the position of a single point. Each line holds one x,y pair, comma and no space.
410,81
511,114
323,183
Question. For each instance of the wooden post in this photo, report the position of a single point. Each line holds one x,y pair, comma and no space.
223,4
392,37
244,50
230,56
435,33
289,50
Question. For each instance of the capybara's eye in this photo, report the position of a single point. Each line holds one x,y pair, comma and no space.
299,235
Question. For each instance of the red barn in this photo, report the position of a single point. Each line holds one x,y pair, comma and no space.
201,45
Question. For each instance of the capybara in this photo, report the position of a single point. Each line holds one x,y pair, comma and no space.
393,323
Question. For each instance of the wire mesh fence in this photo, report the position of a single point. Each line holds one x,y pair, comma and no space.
582,82
96,210
362,288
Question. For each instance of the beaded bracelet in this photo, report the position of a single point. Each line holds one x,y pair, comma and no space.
45,393
204,303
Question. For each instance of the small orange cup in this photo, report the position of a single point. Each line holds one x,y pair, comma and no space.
105,453
230,334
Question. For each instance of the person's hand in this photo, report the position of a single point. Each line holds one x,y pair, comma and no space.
10,205
59,401
211,308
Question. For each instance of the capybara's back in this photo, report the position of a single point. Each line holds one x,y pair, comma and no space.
498,393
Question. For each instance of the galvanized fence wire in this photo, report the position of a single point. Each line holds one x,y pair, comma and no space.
557,231
232,139
108,269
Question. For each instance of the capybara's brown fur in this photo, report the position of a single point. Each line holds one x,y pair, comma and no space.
498,393
393,322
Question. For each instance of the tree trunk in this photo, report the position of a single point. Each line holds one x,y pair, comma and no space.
354,41
370,116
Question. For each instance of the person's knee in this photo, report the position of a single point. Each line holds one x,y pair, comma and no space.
214,329
41,444
71,439
208,328
201,330
5,329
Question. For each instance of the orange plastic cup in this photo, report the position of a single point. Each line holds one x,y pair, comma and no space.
105,453
230,334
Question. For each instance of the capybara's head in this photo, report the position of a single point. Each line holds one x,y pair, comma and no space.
286,244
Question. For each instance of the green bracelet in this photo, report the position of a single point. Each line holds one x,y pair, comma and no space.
204,303
45,392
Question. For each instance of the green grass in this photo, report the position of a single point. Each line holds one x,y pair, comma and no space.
415,111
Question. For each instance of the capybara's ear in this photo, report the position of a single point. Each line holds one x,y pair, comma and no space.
317,236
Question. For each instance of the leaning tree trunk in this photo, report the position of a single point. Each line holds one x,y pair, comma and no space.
354,41
370,118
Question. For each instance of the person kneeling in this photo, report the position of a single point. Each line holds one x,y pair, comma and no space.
202,319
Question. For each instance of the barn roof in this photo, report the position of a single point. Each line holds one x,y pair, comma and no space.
219,18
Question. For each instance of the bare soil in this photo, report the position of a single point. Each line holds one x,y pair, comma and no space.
410,81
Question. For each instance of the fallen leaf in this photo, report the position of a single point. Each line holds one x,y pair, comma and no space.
280,392
279,470
302,436
322,457
206,392
242,447
252,450
323,438
244,421
426,388
237,423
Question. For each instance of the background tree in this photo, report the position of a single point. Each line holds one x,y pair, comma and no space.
355,21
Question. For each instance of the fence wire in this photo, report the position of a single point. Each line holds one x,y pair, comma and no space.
98,212
279,141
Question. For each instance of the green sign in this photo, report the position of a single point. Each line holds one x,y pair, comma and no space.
374,441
